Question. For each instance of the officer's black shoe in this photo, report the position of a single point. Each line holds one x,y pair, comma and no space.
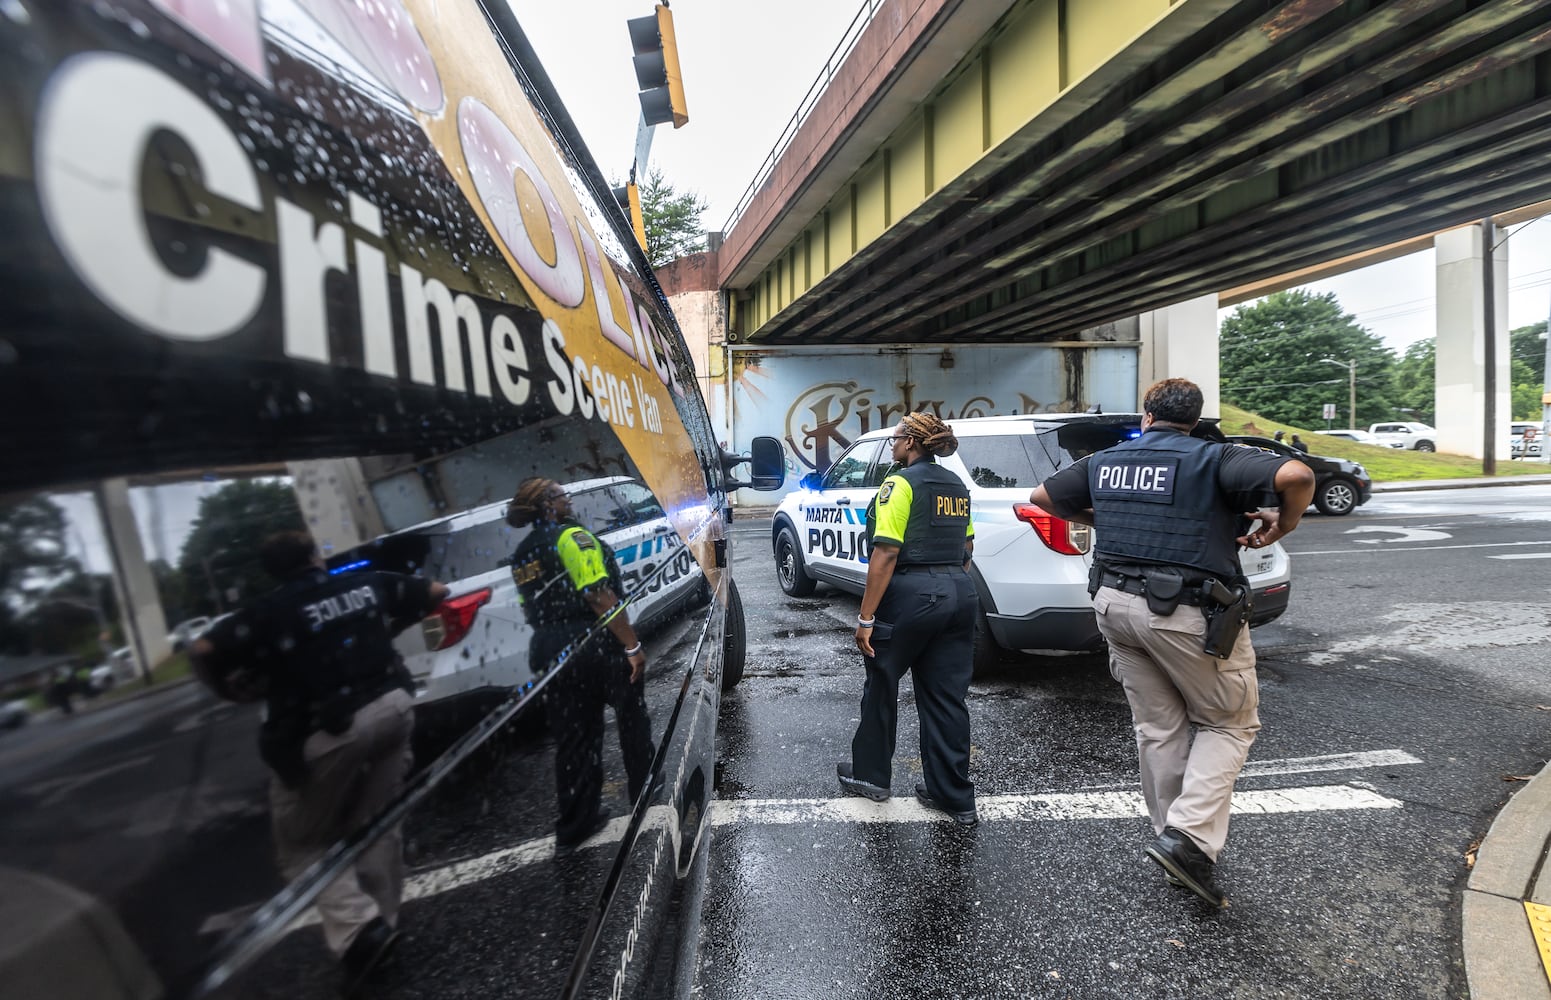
1188,864
564,849
371,945
856,786
966,818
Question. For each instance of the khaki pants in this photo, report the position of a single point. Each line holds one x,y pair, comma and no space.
1172,685
350,778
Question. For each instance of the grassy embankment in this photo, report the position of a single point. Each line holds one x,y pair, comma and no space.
1383,464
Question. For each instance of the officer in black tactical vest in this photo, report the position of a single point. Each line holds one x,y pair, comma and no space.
918,614
567,579
319,650
1172,602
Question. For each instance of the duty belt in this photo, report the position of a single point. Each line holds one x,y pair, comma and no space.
945,569
1190,595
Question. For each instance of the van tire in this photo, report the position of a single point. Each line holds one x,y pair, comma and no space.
791,574
985,652
735,640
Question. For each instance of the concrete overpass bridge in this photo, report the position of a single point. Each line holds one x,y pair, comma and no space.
1023,171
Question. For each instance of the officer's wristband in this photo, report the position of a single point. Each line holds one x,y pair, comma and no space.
633,650
865,622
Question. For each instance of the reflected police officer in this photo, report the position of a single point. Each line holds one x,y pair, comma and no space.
567,579
918,615
1167,584
319,650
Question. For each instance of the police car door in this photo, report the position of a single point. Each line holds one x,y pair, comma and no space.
834,523
659,565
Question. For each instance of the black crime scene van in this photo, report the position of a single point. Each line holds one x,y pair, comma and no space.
347,268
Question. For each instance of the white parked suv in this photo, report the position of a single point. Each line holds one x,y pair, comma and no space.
1030,569
1406,434
473,651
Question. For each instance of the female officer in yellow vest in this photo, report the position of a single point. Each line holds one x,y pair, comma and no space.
567,579
918,614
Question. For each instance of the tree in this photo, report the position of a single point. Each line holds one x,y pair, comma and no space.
221,556
673,227
1271,351
1416,380
1528,345
34,561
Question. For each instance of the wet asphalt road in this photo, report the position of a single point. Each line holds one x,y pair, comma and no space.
1420,655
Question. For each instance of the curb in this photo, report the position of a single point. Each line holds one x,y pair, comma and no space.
1502,955
1408,486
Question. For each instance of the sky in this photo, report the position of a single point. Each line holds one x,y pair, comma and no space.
746,69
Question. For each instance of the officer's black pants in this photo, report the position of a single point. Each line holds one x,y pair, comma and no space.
931,619
598,675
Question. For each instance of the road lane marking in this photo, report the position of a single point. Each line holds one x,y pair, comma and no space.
1414,548
1355,761
1523,555
1036,807
1095,803
470,871
1406,534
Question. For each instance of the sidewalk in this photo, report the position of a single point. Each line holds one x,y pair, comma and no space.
1506,910
1404,486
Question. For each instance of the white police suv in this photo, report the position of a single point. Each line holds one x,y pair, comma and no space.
1031,569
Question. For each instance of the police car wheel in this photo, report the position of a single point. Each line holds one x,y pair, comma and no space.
1336,497
790,572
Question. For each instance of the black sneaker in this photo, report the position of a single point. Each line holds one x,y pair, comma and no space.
856,786
1186,864
966,818
371,945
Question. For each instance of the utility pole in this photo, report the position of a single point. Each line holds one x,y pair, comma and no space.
1545,402
1489,351
1351,394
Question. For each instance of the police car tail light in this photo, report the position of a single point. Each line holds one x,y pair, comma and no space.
453,619
1065,537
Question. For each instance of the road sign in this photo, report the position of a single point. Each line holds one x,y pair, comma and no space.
1330,411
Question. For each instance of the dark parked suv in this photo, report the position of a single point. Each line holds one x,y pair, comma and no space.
1340,487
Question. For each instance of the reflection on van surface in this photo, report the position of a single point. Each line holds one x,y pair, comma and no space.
474,651
341,274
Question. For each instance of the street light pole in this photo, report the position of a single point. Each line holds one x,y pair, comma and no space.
1351,387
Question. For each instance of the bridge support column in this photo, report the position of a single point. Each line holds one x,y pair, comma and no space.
1180,341
1459,396
336,502
139,602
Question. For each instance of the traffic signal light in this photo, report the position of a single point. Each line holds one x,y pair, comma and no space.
629,198
657,68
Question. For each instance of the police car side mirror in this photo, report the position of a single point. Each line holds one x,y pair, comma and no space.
767,465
